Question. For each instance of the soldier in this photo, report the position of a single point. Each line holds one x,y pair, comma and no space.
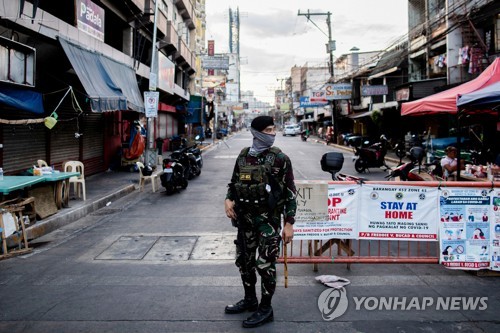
262,189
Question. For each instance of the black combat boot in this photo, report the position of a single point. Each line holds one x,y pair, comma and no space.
263,315
242,306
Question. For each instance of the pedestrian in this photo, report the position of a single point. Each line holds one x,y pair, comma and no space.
262,189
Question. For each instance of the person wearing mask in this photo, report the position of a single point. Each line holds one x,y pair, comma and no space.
261,191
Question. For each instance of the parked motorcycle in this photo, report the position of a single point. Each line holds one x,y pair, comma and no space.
187,158
174,175
197,152
372,156
303,135
414,170
332,162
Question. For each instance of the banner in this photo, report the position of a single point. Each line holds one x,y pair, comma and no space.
325,211
465,228
398,212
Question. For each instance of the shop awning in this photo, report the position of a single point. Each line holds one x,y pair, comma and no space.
488,97
22,99
360,115
446,101
109,84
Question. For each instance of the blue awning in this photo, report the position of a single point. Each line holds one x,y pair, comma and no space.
109,84
22,99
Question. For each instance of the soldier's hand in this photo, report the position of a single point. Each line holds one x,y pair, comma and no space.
287,233
229,206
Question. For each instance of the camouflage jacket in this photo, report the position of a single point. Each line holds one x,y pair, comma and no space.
282,170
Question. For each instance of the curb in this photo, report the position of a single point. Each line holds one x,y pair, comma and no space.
63,218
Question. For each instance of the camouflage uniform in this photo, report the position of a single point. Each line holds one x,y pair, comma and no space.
261,228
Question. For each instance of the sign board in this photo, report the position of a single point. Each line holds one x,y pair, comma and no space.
211,47
215,62
90,18
338,91
151,99
306,102
403,94
166,71
318,96
374,90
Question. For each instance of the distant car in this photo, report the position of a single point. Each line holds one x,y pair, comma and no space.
297,129
289,130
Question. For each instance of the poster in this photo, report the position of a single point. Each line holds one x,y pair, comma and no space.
464,228
325,211
398,212
495,230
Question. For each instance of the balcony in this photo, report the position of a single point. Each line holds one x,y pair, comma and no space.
184,57
186,10
171,40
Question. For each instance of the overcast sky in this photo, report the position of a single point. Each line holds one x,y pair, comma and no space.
274,38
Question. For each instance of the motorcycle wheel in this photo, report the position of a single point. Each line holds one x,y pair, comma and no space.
184,183
170,188
200,163
359,166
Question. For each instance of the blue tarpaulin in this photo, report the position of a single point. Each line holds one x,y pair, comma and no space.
110,85
22,99
194,110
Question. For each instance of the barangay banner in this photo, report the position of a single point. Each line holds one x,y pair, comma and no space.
396,212
325,211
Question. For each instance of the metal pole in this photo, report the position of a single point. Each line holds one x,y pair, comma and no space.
153,76
333,106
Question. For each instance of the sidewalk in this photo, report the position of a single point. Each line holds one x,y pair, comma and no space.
101,189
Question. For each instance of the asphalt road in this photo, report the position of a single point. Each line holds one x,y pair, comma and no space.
157,263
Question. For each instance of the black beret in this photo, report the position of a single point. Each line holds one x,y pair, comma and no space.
261,122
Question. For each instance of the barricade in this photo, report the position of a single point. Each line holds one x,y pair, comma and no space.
334,251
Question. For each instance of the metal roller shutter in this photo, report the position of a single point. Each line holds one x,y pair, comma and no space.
23,145
93,143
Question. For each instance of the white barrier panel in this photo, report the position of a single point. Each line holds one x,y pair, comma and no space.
465,220
398,212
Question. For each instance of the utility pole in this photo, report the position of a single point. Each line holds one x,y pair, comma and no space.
330,48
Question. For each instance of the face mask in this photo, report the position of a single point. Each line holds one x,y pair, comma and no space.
261,141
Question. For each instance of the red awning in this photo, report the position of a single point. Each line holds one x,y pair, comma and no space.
446,101
166,108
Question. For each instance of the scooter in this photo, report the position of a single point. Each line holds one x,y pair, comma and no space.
188,160
197,152
332,162
371,157
173,176
303,135
415,171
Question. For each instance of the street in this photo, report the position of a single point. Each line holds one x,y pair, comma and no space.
156,263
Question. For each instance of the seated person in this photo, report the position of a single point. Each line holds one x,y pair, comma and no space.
449,162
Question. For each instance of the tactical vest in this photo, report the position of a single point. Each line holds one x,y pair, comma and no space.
256,187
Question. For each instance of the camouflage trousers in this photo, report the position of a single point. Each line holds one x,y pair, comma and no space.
257,249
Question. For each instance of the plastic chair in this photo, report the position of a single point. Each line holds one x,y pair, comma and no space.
42,163
142,179
78,182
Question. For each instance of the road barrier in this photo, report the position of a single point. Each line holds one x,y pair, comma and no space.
359,250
